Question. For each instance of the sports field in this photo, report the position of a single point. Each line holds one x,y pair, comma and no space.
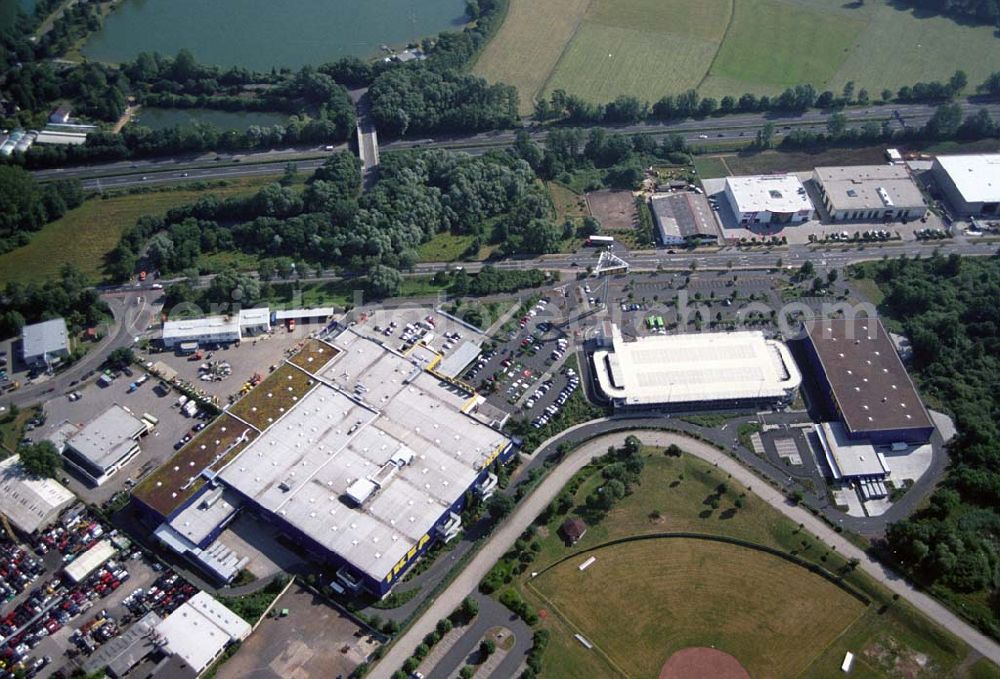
599,49
642,600
673,593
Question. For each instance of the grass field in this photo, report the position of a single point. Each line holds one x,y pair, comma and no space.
568,203
675,496
647,48
673,593
93,230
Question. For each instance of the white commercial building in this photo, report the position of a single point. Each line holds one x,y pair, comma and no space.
45,344
869,193
682,217
201,629
768,199
106,444
30,503
729,369
971,183
255,321
208,330
79,568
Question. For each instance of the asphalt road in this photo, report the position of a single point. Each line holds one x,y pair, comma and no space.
228,165
533,504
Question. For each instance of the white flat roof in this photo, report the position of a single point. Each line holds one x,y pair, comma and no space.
258,316
197,327
977,177
200,629
317,312
30,503
778,193
44,338
371,406
869,187
108,437
848,458
85,564
455,362
696,367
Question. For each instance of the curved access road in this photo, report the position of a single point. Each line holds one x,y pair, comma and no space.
525,513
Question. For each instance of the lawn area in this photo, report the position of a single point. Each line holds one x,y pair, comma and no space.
649,48
676,495
870,290
773,44
271,398
12,430
800,161
94,229
672,593
568,203
709,167
984,669
444,247
602,62
529,43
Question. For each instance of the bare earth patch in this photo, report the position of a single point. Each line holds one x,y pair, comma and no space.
615,210
699,662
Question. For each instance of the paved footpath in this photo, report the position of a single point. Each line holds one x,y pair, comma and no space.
468,580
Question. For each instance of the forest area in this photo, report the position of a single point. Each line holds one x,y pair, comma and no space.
947,306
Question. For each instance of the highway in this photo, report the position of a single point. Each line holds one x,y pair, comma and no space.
226,165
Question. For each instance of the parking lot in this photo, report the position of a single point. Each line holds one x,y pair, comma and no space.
314,641
522,371
53,619
156,446
221,372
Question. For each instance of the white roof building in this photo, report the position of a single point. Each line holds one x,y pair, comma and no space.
696,369
105,444
255,320
85,564
847,458
45,343
221,329
201,629
971,182
869,192
30,503
770,198
367,463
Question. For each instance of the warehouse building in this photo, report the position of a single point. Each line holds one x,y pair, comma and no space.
366,471
865,383
31,504
871,193
208,330
853,461
255,321
200,630
684,217
768,199
698,370
45,344
971,183
105,445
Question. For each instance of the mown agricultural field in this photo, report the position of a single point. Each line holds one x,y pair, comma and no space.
647,48
84,236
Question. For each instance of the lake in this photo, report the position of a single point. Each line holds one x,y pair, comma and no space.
261,34
161,118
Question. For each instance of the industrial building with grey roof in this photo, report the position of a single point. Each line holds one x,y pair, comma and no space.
869,193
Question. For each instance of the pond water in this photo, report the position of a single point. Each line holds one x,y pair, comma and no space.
161,118
261,34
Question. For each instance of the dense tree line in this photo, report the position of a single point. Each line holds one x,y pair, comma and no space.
420,100
70,297
628,109
494,197
947,307
567,150
26,206
986,11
